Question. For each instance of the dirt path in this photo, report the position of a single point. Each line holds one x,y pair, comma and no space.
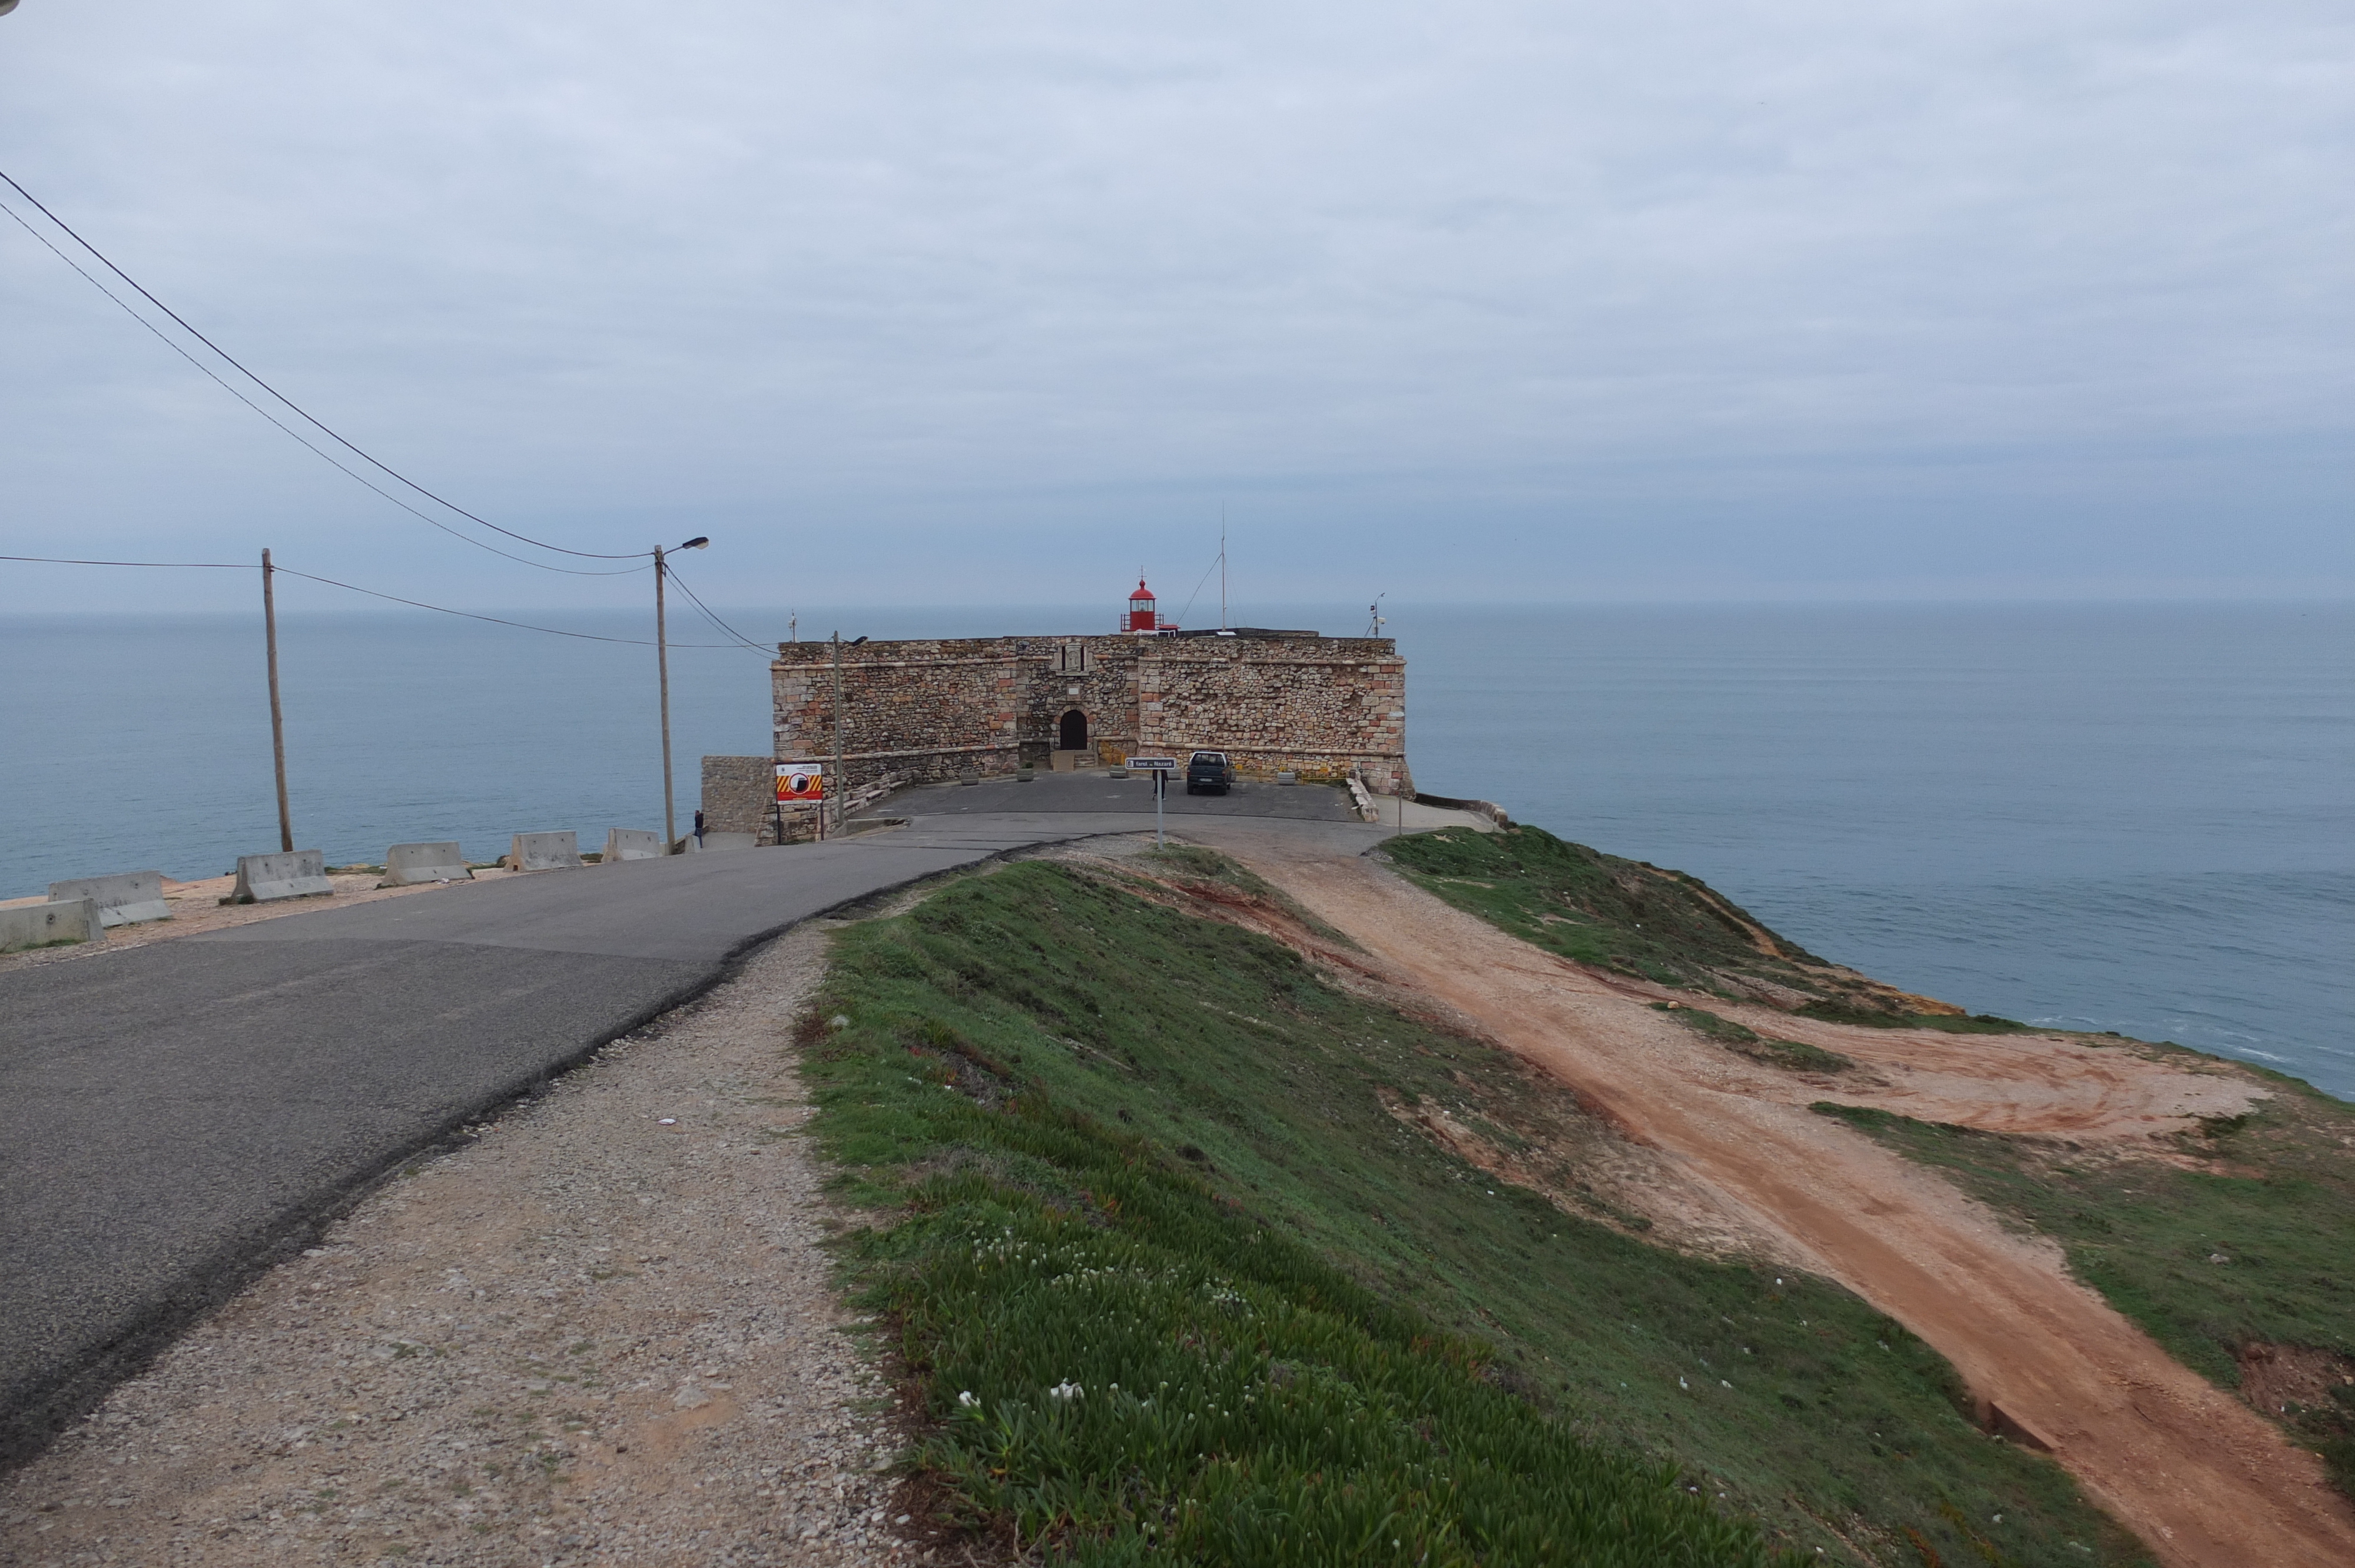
600,1335
2202,1480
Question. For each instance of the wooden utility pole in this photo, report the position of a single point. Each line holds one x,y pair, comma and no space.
662,668
277,713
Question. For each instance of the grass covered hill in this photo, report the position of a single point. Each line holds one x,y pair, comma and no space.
1638,919
1176,1278
2231,1244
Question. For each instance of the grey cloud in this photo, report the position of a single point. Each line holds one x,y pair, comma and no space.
953,301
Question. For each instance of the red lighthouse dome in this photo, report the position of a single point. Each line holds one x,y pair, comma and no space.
1143,615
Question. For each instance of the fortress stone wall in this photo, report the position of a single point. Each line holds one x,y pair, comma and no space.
1322,707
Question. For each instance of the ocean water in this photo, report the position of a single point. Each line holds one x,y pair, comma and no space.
2135,817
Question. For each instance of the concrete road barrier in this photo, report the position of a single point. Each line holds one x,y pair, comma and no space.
546,852
406,866
123,900
632,843
45,925
290,873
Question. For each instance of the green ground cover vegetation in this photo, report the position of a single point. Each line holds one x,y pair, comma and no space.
1745,1041
2255,1249
1640,919
1174,1274
2278,1202
1951,1022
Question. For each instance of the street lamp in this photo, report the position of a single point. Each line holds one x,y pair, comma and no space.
662,666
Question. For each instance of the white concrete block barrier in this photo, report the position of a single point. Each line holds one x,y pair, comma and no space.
632,843
125,899
546,852
46,924
290,873
406,866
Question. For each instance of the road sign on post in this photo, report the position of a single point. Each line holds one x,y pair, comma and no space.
800,781
1161,768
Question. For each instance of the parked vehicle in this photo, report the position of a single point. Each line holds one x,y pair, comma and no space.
1208,773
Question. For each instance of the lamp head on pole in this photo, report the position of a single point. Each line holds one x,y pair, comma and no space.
696,543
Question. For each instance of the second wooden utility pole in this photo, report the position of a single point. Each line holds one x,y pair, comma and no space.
662,668
277,713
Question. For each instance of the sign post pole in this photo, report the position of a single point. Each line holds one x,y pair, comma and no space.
1160,767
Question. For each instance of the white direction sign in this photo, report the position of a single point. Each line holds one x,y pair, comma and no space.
1152,764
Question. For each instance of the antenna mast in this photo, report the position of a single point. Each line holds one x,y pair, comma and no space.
1222,566
1374,622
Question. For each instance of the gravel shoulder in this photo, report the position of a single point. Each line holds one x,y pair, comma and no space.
602,1333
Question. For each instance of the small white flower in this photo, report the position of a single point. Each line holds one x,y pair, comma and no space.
967,1401
1066,1392
1682,1383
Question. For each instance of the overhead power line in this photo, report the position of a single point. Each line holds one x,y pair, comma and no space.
326,457
374,593
765,649
66,561
299,412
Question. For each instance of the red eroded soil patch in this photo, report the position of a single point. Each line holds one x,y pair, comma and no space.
2184,1464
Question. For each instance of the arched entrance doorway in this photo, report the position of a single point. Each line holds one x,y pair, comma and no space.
1074,732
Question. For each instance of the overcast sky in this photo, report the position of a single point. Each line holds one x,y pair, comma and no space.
957,302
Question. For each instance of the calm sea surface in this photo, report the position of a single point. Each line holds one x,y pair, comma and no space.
2138,818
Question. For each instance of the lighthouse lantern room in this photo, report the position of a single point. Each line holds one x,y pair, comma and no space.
1143,615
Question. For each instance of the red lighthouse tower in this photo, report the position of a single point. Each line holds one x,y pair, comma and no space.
1143,615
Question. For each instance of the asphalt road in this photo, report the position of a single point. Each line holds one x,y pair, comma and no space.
176,1117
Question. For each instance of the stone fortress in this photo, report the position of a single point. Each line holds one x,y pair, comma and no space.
929,710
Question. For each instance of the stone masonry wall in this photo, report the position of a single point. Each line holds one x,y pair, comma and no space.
1318,707
1321,706
739,793
934,708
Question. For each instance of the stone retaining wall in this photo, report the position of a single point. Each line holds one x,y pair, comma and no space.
740,795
